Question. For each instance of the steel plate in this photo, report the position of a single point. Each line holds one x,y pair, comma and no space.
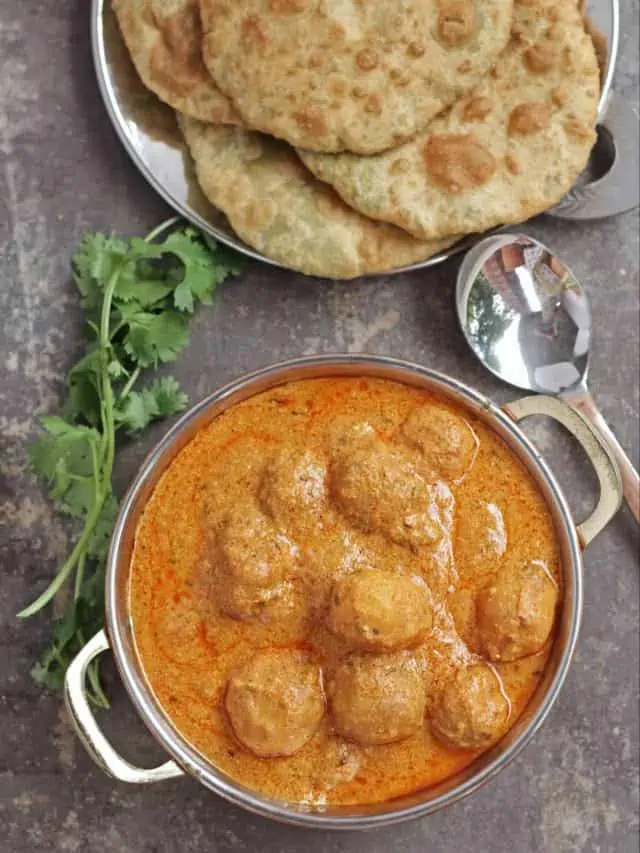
148,130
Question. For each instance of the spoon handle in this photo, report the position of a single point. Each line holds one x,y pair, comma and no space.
585,403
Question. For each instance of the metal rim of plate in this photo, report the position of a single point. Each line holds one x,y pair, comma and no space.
604,13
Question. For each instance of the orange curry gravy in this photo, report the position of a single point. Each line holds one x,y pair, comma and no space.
188,648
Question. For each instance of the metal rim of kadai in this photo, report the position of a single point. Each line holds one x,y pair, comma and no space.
163,165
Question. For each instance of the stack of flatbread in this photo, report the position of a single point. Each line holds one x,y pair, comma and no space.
344,137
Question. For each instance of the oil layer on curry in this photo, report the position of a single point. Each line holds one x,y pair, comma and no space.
344,590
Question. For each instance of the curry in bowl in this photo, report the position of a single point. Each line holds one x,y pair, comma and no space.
344,590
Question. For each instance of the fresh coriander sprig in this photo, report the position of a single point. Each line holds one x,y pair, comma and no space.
138,296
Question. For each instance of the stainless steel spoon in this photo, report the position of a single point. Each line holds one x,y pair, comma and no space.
527,318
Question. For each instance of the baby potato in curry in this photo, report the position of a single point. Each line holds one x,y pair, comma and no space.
293,480
275,702
380,611
472,709
516,612
379,487
343,590
251,559
445,440
377,699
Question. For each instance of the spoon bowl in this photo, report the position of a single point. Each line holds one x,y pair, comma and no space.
527,318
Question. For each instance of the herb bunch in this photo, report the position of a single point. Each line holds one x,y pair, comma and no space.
138,297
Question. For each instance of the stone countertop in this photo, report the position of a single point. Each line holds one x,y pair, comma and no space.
575,787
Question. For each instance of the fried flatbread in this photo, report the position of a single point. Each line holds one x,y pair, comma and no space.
275,205
509,151
332,75
164,39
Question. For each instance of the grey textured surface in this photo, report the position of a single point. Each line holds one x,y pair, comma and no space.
575,788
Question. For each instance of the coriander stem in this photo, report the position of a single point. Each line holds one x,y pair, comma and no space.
109,431
107,450
45,597
169,223
79,577
96,471
108,428
115,331
105,315
93,677
78,478
130,383
103,437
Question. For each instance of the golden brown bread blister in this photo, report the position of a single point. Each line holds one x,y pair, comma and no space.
507,152
275,205
346,75
164,39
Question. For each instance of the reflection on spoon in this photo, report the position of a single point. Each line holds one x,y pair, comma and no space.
527,318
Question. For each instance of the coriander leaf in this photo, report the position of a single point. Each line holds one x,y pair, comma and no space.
137,411
169,398
156,337
136,296
89,364
44,454
65,643
84,616
200,273
64,628
141,250
64,457
76,499
183,297
225,258
124,312
61,428
91,611
116,369
94,262
163,397
83,399
49,670
101,256
63,447
144,292
51,667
